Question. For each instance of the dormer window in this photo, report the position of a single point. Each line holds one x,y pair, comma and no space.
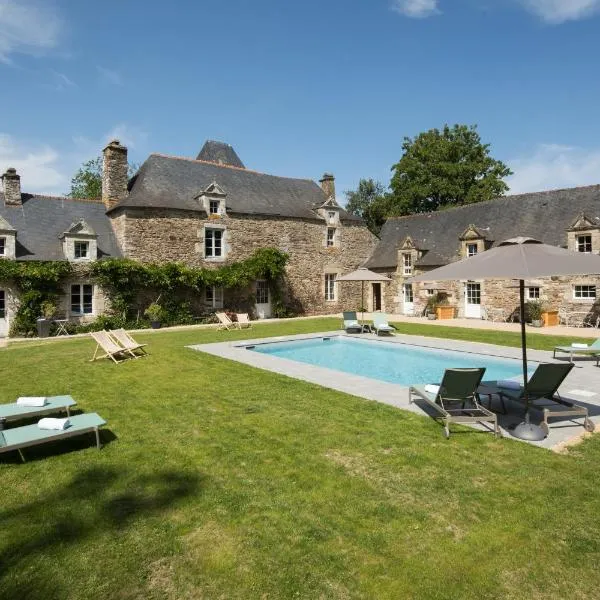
2,246
408,266
331,214
584,244
81,250
330,237
471,250
214,207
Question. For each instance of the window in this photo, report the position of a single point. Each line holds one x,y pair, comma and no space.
584,292
584,243
81,299
213,296
2,305
262,292
533,293
213,207
213,243
471,250
330,286
81,250
430,292
473,292
2,246
408,293
331,215
407,258
330,237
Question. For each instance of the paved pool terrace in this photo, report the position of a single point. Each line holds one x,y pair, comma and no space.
581,386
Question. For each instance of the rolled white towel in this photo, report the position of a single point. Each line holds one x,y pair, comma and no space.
52,423
579,346
509,384
432,389
31,401
352,323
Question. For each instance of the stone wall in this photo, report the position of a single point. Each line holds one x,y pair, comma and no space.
160,235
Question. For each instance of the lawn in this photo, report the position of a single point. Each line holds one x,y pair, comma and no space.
218,480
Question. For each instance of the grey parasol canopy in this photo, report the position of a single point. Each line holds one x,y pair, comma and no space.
363,274
518,258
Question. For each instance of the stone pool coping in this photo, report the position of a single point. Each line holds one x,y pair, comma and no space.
580,386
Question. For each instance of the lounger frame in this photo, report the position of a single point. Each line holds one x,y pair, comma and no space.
26,412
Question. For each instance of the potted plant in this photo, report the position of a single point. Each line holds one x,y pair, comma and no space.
430,308
48,309
534,313
155,313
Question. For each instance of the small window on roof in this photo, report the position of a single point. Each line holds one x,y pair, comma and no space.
213,206
2,246
81,249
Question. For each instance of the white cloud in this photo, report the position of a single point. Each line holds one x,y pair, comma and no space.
553,166
129,135
38,164
559,11
416,8
27,27
109,76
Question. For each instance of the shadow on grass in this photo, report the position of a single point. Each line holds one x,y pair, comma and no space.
86,506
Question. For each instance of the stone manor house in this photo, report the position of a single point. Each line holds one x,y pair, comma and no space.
411,245
208,211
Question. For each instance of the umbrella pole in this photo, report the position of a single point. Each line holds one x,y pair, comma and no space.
526,430
362,301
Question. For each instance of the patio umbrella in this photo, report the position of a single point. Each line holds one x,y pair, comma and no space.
518,258
363,274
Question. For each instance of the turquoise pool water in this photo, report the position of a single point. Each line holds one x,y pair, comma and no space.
394,363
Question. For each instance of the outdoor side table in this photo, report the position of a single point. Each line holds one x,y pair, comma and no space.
490,389
61,327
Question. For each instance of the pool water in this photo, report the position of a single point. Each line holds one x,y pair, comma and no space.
395,363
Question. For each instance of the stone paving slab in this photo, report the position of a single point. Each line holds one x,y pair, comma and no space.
582,385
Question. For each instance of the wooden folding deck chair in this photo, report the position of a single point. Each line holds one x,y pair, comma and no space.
123,338
225,322
111,349
243,320
456,399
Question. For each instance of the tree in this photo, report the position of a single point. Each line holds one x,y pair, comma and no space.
441,169
368,202
87,181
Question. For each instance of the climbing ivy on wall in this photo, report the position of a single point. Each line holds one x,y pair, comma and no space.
123,279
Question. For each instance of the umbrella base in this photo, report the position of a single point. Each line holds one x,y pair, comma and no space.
529,432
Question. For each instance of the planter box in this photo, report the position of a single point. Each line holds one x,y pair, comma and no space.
550,318
444,312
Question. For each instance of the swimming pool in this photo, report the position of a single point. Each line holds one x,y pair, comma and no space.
402,364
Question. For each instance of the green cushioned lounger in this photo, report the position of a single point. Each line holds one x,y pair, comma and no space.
14,411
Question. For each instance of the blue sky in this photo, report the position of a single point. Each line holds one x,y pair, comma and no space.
299,88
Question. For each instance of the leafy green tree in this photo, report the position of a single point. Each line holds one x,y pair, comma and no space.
441,169
87,181
368,202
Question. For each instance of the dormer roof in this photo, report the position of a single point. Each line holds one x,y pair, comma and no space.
583,222
213,189
5,226
471,233
79,229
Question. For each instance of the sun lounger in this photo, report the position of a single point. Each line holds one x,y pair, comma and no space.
380,324
456,399
14,411
543,394
244,321
112,350
126,341
31,435
351,323
225,322
584,350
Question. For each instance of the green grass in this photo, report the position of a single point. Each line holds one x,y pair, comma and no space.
218,480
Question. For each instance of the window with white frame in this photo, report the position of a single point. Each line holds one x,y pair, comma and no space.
213,207
330,286
213,243
430,292
330,237
81,249
213,296
533,293
584,243
2,246
584,292
408,293
2,305
471,250
331,215
407,260
82,296
262,292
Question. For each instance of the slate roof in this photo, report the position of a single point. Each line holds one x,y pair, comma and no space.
220,153
541,215
42,219
175,182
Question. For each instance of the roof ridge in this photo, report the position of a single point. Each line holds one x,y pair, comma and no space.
208,162
29,195
498,198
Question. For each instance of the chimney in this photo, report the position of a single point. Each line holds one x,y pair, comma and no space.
114,174
11,186
328,184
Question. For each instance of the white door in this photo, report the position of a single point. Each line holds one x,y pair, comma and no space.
409,306
263,300
3,319
473,301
